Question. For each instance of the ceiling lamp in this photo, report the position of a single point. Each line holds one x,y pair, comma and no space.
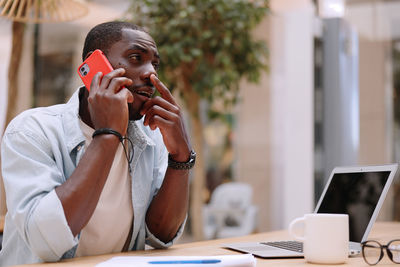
39,11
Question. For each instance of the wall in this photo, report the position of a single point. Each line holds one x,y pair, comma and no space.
376,83
253,139
5,47
376,109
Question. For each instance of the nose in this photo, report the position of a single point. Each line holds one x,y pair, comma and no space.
148,69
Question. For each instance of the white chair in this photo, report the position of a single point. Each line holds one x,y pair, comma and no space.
230,211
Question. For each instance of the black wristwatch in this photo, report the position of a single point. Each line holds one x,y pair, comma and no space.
182,165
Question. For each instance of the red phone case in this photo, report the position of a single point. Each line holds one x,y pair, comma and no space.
95,63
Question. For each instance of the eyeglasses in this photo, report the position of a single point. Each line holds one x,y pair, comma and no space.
372,251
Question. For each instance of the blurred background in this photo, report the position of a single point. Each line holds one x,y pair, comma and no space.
317,88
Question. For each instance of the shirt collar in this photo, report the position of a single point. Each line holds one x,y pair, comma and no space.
138,135
70,117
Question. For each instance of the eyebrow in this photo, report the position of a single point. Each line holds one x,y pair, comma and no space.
142,49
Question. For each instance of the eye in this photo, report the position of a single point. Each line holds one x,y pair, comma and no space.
156,65
135,57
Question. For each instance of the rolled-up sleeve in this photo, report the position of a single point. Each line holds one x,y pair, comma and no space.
30,176
153,241
50,235
160,170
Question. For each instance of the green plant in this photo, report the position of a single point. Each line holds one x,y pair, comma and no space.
206,49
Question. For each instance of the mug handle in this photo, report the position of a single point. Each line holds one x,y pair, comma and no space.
291,228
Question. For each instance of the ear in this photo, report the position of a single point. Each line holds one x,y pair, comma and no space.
87,55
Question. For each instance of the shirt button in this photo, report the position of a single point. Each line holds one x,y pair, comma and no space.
79,148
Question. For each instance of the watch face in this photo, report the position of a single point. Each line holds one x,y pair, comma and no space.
182,165
192,156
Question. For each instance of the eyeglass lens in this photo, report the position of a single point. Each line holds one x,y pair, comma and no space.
394,250
373,251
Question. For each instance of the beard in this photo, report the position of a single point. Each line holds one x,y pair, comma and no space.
134,114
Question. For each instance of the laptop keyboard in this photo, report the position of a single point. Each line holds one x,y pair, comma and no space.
289,245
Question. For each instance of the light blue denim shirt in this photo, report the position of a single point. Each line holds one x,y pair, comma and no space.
40,149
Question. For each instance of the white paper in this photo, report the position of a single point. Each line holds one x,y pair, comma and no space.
243,260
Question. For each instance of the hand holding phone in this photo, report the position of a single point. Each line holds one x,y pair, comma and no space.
104,115
96,62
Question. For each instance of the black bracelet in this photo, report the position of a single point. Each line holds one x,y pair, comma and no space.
107,131
121,140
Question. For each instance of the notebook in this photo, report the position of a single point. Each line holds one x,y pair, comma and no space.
242,260
356,191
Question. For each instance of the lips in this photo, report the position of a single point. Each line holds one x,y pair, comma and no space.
146,91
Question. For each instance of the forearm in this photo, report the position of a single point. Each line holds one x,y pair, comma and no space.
169,207
79,195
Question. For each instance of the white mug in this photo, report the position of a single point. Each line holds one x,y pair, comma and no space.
325,239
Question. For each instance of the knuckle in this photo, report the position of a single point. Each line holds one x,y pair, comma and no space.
121,79
170,126
175,117
116,81
108,76
153,109
151,121
176,109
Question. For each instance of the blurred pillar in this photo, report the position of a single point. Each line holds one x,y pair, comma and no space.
291,105
341,116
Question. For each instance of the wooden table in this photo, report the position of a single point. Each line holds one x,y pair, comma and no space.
382,231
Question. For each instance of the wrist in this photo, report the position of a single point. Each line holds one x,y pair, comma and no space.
107,132
107,139
180,157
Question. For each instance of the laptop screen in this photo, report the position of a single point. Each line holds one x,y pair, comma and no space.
356,194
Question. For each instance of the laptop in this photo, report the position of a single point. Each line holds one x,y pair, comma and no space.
356,191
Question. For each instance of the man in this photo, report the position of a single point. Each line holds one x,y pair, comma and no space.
74,186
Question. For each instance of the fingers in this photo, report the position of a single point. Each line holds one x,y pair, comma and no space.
157,111
162,89
125,93
112,81
172,129
157,121
95,82
118,83
158,101
166,101
164,113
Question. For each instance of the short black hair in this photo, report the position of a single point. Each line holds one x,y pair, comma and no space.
104,35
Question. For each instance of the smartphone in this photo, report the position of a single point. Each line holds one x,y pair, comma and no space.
95,63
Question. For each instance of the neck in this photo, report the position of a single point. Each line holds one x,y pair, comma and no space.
83,107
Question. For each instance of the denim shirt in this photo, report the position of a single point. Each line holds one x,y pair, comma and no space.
40,149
